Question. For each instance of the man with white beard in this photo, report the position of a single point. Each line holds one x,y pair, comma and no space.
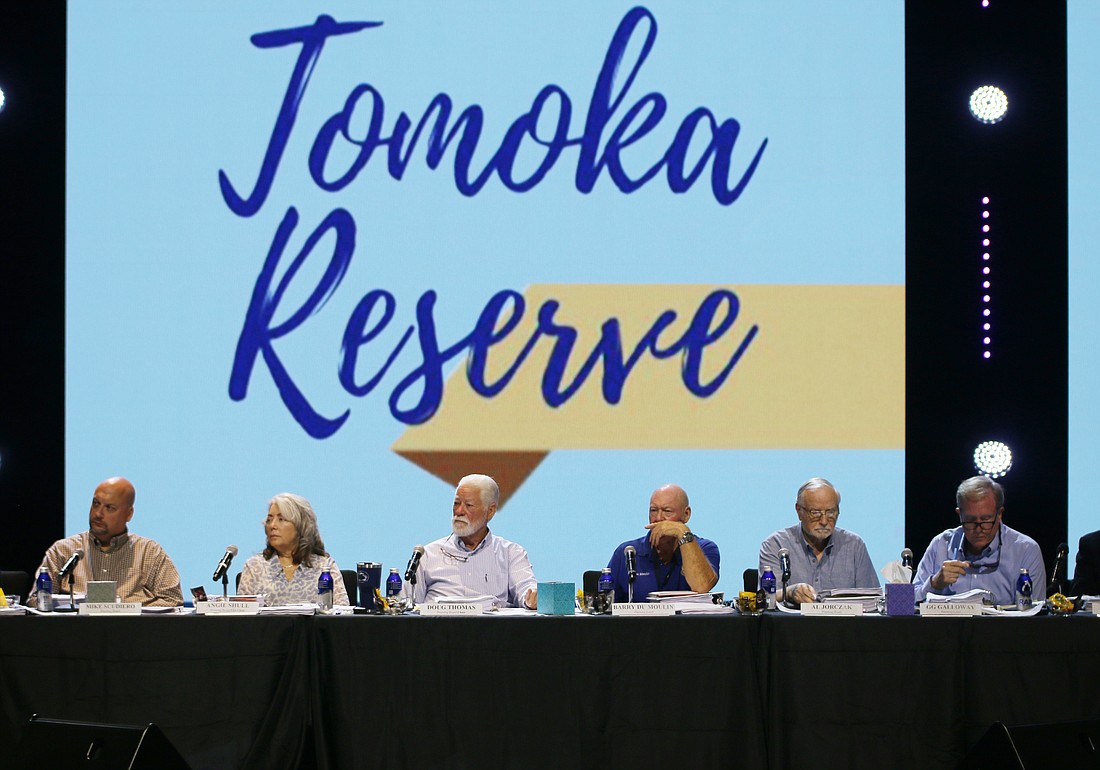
473,562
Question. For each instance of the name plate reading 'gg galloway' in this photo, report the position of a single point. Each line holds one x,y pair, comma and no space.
642,609
833,609
949,610
110,608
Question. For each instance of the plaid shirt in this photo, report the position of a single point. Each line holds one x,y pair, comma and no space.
138,565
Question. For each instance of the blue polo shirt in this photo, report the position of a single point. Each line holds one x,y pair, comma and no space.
652,574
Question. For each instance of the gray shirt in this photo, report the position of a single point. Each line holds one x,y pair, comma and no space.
844,563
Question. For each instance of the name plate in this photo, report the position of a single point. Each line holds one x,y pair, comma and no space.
642,609
110,608
227,608
833,609
451,609
949,610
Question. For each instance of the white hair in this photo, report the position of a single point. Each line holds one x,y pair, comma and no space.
490,491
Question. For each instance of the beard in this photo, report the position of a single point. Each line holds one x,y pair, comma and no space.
462,526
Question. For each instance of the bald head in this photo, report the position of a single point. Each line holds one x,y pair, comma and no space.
669,502
112,508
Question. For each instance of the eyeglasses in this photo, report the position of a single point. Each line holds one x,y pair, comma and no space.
977,564
817,513
456,556
984,525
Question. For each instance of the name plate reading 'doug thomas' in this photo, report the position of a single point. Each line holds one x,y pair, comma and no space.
452,609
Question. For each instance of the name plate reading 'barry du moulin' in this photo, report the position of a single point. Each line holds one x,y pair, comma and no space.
227,608
451,609
949,610
642,609
833,609
110,608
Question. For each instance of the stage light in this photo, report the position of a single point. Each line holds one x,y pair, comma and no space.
993,459
988,104
2,99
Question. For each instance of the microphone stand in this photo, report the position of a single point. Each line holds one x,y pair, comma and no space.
786,579
410,585
225,586
630,589
72,600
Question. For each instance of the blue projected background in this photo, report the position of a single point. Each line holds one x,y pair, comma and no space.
1084,274
163,270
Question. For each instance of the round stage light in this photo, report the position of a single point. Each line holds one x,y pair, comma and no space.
2,98
988,104
993,459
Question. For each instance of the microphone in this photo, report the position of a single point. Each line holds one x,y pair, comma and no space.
70,565
785,565
223,565
631,563
414,564
906,558
1059,567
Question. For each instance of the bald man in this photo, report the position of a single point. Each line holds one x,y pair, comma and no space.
669,556
139,566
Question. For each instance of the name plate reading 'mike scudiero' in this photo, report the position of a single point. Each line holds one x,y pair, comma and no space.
642,609
110,608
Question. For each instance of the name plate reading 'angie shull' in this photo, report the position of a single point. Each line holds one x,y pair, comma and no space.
833,609
451,609
227,608
110,608
642,609
949,610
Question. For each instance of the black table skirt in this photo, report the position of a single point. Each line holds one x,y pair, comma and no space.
380,692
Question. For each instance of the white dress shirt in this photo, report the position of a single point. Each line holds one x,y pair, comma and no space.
497,567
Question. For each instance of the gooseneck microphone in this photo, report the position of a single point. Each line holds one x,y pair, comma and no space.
414,564
1057,574
906,558
223,565
785,573
631,555
70,565
785,564
631,563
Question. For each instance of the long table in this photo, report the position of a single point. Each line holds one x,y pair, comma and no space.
385,692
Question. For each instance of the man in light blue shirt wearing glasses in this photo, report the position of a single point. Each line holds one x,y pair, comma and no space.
983,552
823,556
472,562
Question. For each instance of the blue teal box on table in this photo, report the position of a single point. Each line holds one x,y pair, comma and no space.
557,598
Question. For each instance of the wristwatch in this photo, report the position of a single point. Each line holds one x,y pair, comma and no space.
687,537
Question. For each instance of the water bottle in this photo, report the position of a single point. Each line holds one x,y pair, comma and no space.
324,591
393,584
45,591
767,582
1023,591
605,591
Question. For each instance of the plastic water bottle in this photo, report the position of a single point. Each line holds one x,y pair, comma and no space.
1023,590
324,591
44,584
605,590
393,584
767,582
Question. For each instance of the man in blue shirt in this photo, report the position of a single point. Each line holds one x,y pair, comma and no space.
823,556
983,552
670,557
